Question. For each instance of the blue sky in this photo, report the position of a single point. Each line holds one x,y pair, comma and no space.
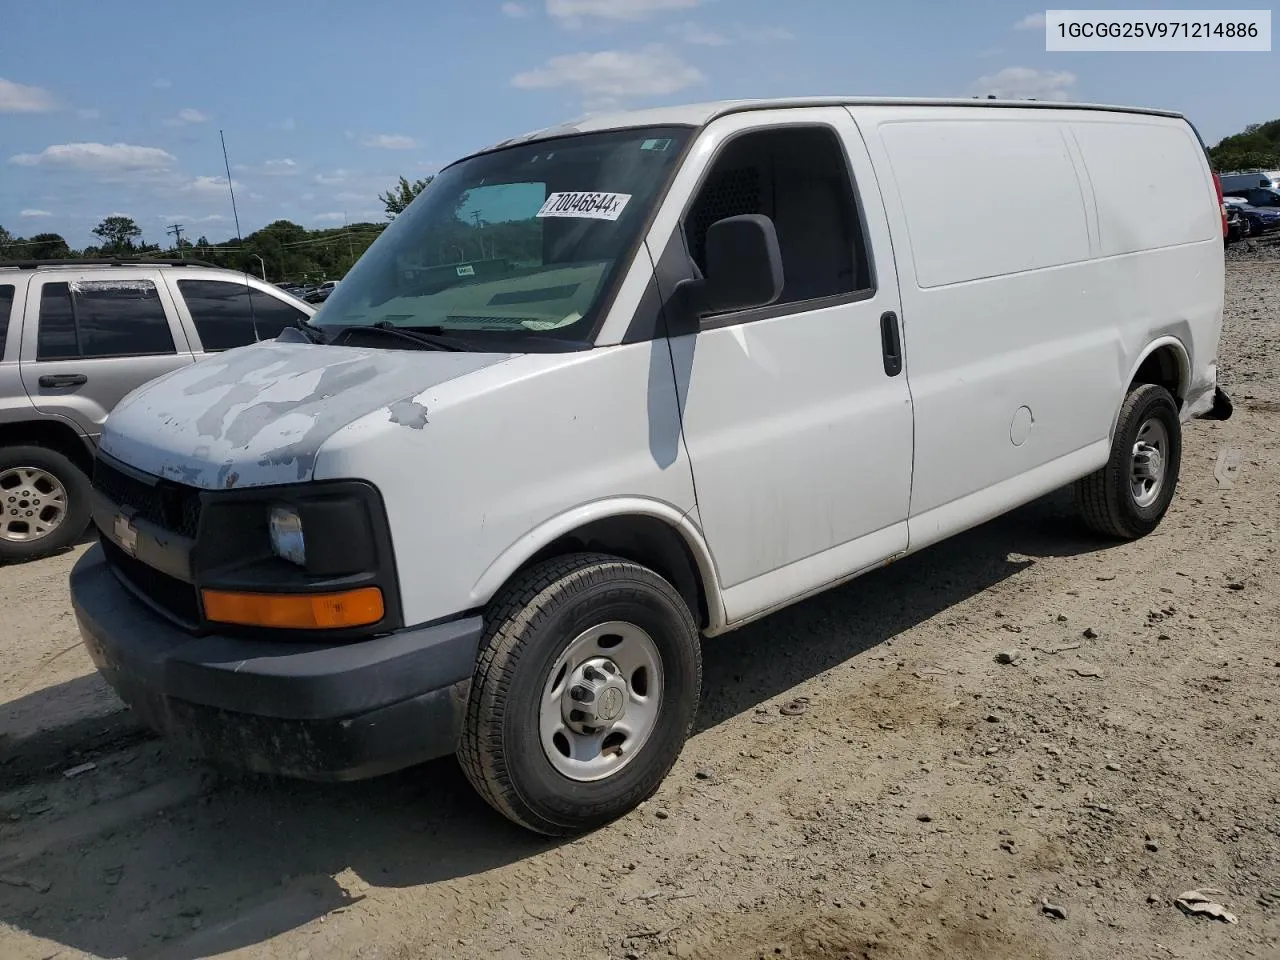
115,108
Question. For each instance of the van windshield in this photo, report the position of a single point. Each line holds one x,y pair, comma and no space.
515,249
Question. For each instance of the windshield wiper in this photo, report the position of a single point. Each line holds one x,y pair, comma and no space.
429,337
310,331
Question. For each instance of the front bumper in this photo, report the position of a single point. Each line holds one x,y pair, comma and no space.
337,711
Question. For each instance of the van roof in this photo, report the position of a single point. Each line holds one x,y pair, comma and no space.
699,114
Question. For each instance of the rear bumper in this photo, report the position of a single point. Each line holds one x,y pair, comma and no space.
339,711
1221,408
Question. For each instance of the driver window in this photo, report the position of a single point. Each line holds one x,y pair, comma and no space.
799,178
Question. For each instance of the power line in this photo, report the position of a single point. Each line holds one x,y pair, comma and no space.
175,229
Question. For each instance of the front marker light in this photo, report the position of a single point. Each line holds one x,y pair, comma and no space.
287,541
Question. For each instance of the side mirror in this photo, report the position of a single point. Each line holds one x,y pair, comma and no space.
744,266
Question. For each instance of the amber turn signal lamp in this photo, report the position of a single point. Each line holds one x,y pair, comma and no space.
298,611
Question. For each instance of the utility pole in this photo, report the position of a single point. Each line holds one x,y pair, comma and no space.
176,230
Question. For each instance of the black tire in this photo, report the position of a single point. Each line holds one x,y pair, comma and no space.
1105,498
530,623
74,482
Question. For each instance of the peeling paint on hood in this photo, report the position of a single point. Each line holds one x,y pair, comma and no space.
259,414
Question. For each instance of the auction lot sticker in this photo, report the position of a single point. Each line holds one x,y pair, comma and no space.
592,206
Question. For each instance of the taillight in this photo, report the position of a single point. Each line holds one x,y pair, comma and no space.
1217,185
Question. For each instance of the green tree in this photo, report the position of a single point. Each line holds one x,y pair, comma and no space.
1256,148
46,246
117,234
402,194
6,242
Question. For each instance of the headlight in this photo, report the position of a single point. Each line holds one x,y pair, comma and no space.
287,541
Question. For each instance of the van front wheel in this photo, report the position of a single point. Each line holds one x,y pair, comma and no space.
584,693
1128,497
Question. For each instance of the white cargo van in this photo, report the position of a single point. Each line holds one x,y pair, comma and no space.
616,385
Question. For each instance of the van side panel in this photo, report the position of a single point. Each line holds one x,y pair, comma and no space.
1160,234
1021,330
999,181
1149,183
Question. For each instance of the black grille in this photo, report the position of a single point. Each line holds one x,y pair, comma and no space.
167,594
168,505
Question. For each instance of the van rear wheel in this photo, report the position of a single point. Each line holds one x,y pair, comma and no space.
584,693
1129,496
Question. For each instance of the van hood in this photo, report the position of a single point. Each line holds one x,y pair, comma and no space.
258,415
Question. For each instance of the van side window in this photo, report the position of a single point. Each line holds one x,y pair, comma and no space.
102,318
6,307
799,178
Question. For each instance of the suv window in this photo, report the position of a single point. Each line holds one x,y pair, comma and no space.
6,307
102,318
799,178
1264,198
225,313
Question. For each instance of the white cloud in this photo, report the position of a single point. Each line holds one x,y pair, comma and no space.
389,141
698,35
348,196
653,71
517,11
18,98
335,217
160,83
307,196
88,113
332,177
186,115
1024,83
98,156
1032,21
35,213
209,186
288,125
989,53
573,12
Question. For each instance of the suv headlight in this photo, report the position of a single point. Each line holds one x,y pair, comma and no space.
287,539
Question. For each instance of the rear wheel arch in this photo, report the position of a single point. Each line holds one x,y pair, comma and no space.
1164,363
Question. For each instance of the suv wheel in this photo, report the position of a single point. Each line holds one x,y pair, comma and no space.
584,693
44,502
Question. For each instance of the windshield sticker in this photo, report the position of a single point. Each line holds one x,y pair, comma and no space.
591,206
467,271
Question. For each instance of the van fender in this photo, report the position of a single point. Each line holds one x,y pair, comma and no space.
547,532
1184,372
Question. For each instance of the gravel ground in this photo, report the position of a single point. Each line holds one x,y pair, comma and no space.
930,802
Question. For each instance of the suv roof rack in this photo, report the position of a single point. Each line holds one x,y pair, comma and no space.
104,262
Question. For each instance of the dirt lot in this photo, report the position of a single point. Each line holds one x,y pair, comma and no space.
925,805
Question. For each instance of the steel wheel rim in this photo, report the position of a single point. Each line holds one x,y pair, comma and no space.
1149,462
33,504
591,739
